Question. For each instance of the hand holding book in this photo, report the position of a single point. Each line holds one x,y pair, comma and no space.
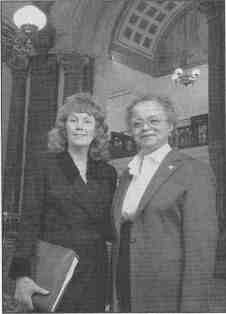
54,266
25,288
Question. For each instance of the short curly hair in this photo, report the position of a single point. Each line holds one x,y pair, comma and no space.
80,103
163,101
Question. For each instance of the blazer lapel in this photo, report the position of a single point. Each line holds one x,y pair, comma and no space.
86,196
67,167
168,166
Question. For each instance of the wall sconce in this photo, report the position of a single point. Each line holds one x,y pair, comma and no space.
29,20
185,78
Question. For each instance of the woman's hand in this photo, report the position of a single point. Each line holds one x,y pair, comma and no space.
25,288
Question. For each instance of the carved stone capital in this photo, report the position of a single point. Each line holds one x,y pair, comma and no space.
10,56
17,63
44,63
71,62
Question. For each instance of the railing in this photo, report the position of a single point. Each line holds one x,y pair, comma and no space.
194,133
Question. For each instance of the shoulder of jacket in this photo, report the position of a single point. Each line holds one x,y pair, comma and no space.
104,168
197,168
43,159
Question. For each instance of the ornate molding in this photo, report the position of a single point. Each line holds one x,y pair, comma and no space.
10,56
17,58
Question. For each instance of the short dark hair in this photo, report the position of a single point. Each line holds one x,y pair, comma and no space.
163,101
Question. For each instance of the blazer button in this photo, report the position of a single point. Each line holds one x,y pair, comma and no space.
133,240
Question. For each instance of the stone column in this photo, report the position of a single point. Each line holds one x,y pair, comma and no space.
215,10
42,99
42,103
13,154
12,171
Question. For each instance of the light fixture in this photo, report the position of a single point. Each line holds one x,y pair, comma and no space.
29,20
185,78
184,58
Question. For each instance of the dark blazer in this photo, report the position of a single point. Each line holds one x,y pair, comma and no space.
172,239
60,208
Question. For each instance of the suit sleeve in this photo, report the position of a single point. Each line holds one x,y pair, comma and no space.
109,224
199,239
30,220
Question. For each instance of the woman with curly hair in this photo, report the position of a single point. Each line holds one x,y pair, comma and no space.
67,202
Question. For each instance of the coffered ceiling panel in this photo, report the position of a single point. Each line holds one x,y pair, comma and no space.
143,23
155,36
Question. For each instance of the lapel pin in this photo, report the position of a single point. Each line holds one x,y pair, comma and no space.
171,167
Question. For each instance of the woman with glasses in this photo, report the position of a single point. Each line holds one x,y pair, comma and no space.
165,217
67,202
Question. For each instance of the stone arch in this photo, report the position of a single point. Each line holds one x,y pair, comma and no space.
144,26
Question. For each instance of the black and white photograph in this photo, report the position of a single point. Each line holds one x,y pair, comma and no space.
113,156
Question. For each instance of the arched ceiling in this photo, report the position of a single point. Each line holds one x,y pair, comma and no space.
143,22
152,36
155,36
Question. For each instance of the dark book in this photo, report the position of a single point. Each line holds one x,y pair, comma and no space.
54,268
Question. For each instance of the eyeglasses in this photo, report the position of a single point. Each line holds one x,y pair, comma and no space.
139,124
